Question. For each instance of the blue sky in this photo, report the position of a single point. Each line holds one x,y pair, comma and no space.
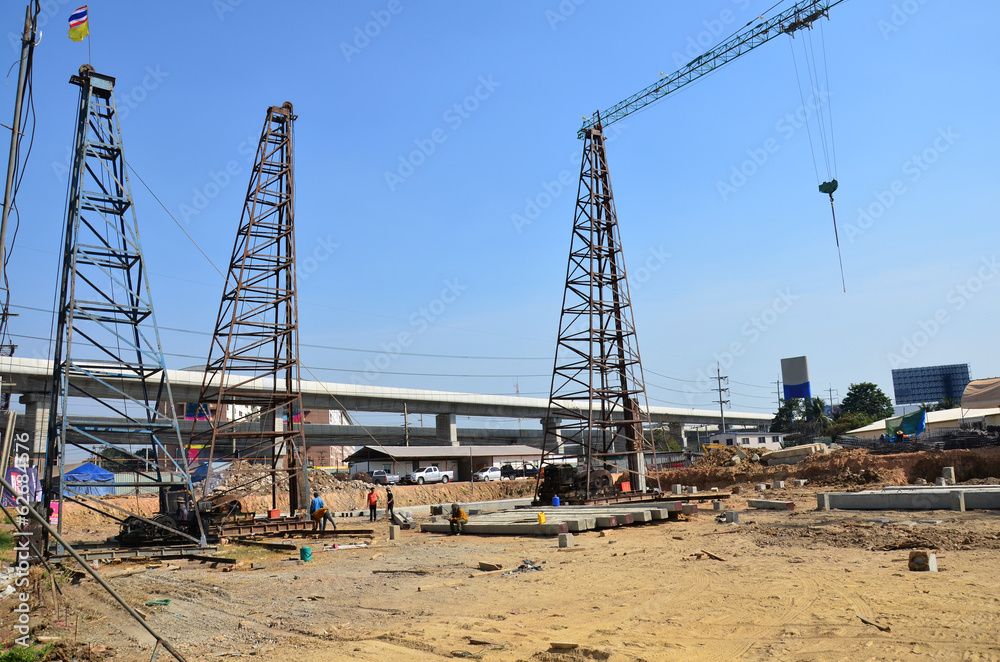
436,249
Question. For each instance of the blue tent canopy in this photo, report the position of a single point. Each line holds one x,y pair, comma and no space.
90,473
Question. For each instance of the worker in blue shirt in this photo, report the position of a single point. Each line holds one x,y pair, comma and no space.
319,513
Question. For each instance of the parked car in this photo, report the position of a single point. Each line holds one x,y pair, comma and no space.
384,477
486,475
509,472
430,475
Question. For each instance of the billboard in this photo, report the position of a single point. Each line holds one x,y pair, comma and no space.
795,376
912,386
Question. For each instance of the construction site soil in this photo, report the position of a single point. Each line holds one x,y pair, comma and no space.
781,585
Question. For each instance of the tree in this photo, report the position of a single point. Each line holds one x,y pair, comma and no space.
815,411
868,399
788,413
846,423
670,438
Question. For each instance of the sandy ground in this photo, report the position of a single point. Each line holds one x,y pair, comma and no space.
793,586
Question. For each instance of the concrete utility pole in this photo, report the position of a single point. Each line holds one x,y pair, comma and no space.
722,411
406,426
777,391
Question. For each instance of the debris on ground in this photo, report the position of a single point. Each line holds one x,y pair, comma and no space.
526,566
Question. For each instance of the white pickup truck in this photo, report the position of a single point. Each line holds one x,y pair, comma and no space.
430,475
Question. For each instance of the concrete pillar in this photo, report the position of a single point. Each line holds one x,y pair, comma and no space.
36,421
822,501
677,489
958,501
394,532
948,473
717,505
560,442
446,428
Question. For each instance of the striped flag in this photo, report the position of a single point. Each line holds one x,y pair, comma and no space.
79,26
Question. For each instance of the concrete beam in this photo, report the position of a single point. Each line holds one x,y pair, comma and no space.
768,504
935,499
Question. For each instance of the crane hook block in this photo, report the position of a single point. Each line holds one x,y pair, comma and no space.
828,187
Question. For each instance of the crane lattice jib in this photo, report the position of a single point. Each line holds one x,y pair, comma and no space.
797,17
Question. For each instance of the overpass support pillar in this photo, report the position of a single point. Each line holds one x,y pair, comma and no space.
551,426
447,428
36,423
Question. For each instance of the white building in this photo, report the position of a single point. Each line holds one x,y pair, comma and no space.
767,440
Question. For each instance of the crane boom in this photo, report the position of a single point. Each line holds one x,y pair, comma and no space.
797,17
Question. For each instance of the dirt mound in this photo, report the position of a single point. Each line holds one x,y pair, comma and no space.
845,467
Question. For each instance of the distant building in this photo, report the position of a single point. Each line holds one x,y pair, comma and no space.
771,441
463,460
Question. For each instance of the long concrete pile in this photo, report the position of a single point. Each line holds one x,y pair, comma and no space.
979,497
564,519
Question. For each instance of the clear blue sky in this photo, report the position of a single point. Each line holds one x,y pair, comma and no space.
707,264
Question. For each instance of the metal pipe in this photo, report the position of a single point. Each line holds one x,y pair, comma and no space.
26,46
93,573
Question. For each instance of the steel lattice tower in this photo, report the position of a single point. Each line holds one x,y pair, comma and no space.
256,332
106,328
598,391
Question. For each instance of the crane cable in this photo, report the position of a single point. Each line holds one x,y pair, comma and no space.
825,138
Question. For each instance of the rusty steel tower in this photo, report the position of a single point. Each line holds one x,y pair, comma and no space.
598,394
256,332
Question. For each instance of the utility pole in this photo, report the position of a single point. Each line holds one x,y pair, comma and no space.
406,426
777,390
831,400
722,411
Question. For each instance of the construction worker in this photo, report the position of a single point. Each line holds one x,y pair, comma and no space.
390,502
319,513
457,520
372,503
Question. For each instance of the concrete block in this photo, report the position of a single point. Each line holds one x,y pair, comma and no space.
394,532
693,489
689,508
760,487
940,482
798,482
767,504
732,517
822,501
677,489
921,561
607,522
717,505
958,501
566,540
715,489
778,484
948,473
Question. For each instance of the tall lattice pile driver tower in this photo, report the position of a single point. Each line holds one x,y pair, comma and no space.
256,336
597,400
108,360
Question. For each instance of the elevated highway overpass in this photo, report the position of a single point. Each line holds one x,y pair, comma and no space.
31,379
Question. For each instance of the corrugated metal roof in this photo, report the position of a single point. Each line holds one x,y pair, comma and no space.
444,452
